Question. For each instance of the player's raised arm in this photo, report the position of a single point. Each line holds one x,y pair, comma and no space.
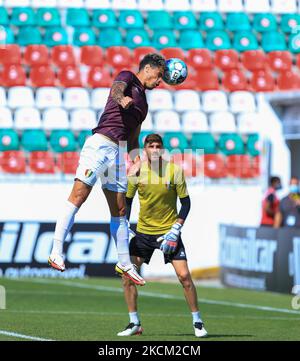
117,93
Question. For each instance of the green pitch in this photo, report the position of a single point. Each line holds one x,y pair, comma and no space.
94,309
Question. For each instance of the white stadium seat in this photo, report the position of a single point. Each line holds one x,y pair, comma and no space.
83,119
175,5
203,5
227,6
257,6
248,123
214,101
241,101
150,5
123,4
2,97
194,121
76,98
99,98
43,3
6,120
27,118
16,3
166,120
55,118
160,99
70,4
20,96
283,6
48,97
186,100
147,123
222,122
96,4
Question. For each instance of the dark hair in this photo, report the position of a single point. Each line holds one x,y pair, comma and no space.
153,138
274,179
154,60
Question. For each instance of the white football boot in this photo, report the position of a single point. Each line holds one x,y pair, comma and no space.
56,261
199,329
131,330
131,272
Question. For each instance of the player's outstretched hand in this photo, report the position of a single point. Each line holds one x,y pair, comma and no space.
134,169
169,241
126,102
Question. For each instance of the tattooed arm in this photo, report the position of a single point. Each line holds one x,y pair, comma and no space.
117,93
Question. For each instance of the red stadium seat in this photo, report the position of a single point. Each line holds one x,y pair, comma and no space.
262,81
91,55
288,80
63,55
42,75
41,162
298,60
139,53
256,166
214,166
119,57
99,77
36,55
13,161
206,79
234,80
254,60
240,166
226,59
69,76
199,58
10,54
191,164
280,60
168,53
13,75
68,162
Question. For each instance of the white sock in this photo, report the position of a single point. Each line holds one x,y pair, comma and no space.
120,234
63,226
134,318
196,317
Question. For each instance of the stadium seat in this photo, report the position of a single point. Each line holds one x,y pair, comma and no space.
203,5
104,18
99,98
6,120
294,43
173,5
55,118
2,97
273,40
199,58
84,37
241,101
283,6
42,76
147,123
280,60
83,119
184,20
91,55
214,101
239,166
146,5
48,97
62,55
256,161
67,162
160,99
119,57
231,144
186,100
227,59
70,4
210,21
41,162
190,39
262,81
36,55
166,120
140,52
228,6
48,17
217,40
191,164
172,53
175,140
99,77
288,80
194,121
254,60
159,20
131,19
214,166
62,141
76,98
9,140
234,80
20,96
206,79
29,35
289,23
69,76
34,140
253,145
55,36
244,41
257,6
13,162
248,123
13,75
83,135
123,4
22,16
4,18
43,3
10,54
264,22
77,17
163,39
16,3
204,141
6,35
27,118
110,37
222,122
237,21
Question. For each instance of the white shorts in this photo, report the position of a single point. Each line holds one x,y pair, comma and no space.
101,157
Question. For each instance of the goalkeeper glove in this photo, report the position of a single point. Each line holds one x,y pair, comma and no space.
170,239
131,234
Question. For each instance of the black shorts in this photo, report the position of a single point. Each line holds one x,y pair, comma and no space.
143,245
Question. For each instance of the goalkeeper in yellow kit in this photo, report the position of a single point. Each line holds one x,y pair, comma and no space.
159,226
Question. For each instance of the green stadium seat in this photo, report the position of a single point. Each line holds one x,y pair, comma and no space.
110,37
29,36
163,39
23,16
33,140
190,39
217,40
104,18
77,17
84,36
263,22
136,38
231,144
237,22
9,140
62,141
294,43
184,20
204,141
175,140
55,36
4,20
48,17
289,22
131,19
272,41
82,137
211,21
252,145
159,19
6,35
244,40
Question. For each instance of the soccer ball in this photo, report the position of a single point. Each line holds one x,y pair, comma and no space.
176,71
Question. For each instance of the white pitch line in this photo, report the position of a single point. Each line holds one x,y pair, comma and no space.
166,296
26,337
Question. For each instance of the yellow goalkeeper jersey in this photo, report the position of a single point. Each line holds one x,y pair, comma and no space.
158,191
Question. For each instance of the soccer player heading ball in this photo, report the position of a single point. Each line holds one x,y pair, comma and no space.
125,110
